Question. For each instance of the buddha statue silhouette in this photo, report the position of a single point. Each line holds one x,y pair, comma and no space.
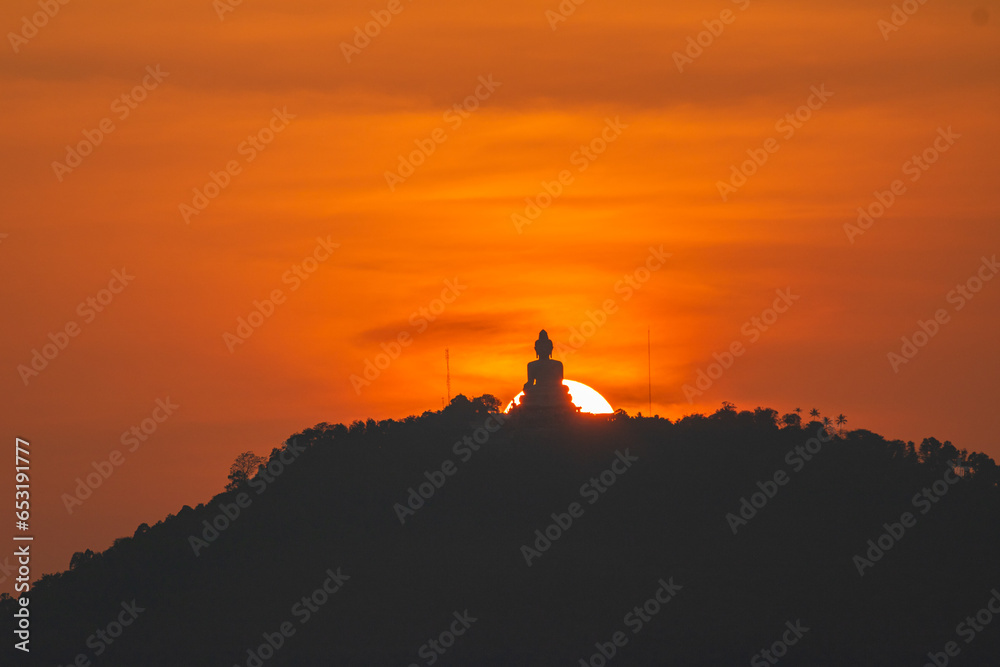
544,389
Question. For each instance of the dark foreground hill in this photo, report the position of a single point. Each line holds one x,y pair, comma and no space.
721,540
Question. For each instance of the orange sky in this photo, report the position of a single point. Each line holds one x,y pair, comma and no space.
324,176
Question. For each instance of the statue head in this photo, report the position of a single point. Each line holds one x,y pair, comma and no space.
543,346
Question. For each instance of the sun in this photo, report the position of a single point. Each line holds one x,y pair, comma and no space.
584,397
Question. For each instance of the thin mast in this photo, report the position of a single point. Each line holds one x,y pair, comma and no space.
649,369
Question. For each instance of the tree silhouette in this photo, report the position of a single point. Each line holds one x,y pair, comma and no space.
487,403
79,558
814,412
936,453
243,469
765,417
841,420
827,424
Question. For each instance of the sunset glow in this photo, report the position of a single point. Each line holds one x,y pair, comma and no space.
243,213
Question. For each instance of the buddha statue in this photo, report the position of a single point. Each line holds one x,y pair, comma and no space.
544,388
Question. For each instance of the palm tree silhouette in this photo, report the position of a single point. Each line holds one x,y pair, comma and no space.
827,424
797,410
841,420
814,412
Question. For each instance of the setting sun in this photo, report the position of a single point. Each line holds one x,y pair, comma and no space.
269,269
584,397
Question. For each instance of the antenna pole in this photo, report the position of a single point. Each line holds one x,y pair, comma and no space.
649,369
447,367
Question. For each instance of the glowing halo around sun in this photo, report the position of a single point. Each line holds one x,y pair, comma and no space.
584,397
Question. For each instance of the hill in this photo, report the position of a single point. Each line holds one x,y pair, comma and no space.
455,539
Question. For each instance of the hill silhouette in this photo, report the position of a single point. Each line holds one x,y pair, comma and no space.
414,542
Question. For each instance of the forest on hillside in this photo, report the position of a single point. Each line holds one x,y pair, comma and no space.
465,537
